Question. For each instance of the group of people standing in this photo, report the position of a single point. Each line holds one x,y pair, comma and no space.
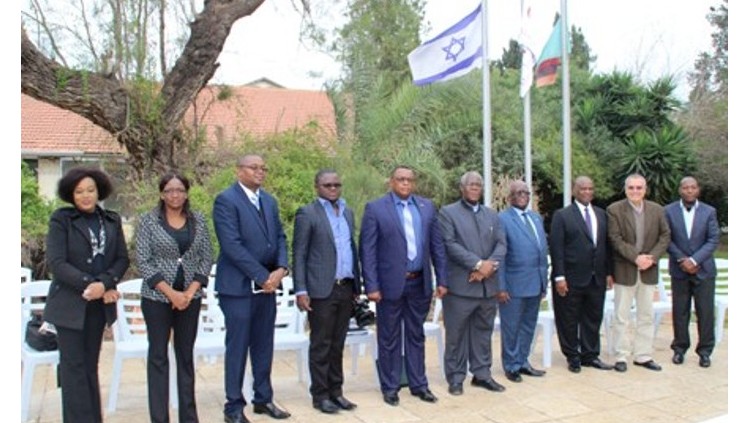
479,261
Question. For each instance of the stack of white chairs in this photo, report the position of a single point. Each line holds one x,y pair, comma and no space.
433,329
131,339
33,296
25,274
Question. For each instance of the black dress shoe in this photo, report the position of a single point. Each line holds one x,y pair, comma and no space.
621,366
488,384
343,403
705,361
651,365
425,396
271,410
326,406
574,367
456,389
235,418
678,358
530,371
598,364
513,376
391,398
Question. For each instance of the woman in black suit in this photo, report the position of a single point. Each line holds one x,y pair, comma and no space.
174,255
87,256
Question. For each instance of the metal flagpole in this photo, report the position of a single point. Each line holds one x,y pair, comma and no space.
527,142
487,127
567,181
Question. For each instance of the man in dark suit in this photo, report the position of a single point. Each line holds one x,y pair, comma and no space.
400,241
252,261
523,282
474,246
581,271
326,280
639,235
694,238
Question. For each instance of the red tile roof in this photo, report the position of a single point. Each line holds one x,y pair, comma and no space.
255,111
50,130
260,112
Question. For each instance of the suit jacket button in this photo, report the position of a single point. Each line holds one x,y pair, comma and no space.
88,260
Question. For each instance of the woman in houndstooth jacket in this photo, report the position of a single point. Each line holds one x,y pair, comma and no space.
174,256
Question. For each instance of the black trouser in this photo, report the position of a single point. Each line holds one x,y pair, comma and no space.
702,292
79,366
329,322
162,321
578,318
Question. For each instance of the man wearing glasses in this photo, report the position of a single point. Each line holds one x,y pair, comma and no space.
639,234
523,282
326,280
400,242
252,261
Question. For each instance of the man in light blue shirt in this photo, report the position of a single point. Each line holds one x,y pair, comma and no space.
326,280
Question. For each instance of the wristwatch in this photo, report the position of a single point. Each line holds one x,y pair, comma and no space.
478,265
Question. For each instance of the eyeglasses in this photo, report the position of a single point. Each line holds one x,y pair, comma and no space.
635,187
526,193
254,167
174,191
331,186
403,179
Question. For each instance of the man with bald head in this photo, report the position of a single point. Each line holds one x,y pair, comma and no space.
694,238
581,271
639,235
523,282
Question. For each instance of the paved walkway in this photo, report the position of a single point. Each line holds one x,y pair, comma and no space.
684,393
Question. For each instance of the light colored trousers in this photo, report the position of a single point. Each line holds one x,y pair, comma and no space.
642,345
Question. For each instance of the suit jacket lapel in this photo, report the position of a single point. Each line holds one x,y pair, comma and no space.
320,211
391,208
582,223
248,206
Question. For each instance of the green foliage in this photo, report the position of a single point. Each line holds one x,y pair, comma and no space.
35,214
662,157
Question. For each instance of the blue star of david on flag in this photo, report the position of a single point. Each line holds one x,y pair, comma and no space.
449,54
453,53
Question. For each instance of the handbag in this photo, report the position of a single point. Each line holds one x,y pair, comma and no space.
38,338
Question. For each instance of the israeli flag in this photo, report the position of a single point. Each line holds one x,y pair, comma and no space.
453,53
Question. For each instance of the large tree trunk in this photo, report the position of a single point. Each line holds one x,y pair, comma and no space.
126,111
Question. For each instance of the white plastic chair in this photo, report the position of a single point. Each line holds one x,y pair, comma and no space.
131,339
209,342
358,339
661,306
33,296
721,297
25,274
545,323
289,334
433,329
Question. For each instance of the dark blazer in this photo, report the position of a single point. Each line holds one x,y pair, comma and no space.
470,237
523,272
314,251
250,248
69,259
621,231
382,245
572,250
704,238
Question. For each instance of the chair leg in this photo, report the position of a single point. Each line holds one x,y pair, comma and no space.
441,351
721,315
114,385
547,350
172,378
26,384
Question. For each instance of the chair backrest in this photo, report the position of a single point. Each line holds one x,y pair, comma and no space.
25,274
130,325
437,311
33,298
722,277
211,318
289,319
664,285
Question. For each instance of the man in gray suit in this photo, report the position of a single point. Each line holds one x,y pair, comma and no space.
475,246
326,280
